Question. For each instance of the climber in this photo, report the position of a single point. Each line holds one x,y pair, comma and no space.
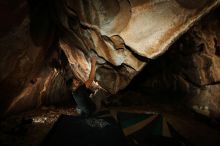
81,92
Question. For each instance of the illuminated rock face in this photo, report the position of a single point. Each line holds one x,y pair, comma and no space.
123,35
121,32
190,68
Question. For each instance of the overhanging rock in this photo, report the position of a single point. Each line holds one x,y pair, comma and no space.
121,33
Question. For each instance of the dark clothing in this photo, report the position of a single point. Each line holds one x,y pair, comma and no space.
83,101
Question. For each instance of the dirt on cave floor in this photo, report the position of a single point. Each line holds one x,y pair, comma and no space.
30,128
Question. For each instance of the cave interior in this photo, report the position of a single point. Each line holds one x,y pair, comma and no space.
154,59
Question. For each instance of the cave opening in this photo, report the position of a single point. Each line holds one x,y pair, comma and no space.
157,62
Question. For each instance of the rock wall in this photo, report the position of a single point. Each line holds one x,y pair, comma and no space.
190,68
45,43
27,78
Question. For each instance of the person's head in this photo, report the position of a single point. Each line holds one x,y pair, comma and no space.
75,84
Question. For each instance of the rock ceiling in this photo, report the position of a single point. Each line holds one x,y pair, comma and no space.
123,34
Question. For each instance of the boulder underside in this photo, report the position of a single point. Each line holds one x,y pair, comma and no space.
46,43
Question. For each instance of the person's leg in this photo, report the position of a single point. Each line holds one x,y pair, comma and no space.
85,105
99,98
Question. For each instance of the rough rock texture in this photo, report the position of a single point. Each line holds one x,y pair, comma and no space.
207,63
27,78
190,68
45,43
113,34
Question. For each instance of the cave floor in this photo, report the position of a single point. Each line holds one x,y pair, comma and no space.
30,128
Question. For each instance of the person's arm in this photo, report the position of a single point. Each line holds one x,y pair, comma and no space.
88,83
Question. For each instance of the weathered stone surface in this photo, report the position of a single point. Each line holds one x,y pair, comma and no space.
122,34
161,22
190,68
208,97
120,31
27,78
